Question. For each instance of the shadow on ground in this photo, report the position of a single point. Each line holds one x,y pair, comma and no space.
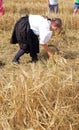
1,64
65,54
70,54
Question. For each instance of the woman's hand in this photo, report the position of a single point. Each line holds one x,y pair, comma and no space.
48,50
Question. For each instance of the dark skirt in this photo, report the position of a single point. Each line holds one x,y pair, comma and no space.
23,35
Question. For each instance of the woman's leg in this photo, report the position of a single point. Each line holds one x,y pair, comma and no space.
75,11
18,55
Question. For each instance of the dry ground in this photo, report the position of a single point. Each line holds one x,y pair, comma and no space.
42,96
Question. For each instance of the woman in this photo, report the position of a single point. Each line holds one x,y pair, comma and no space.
1,8
52,6
76,6
32,30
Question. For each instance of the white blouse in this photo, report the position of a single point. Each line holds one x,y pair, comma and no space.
41,27
53,2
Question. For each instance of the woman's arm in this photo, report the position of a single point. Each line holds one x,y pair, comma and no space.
47,2
50,54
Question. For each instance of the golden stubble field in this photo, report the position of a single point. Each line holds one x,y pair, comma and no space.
42,96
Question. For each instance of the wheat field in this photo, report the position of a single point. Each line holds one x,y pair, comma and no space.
45,95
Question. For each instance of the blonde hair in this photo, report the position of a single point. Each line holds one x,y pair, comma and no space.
57,22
